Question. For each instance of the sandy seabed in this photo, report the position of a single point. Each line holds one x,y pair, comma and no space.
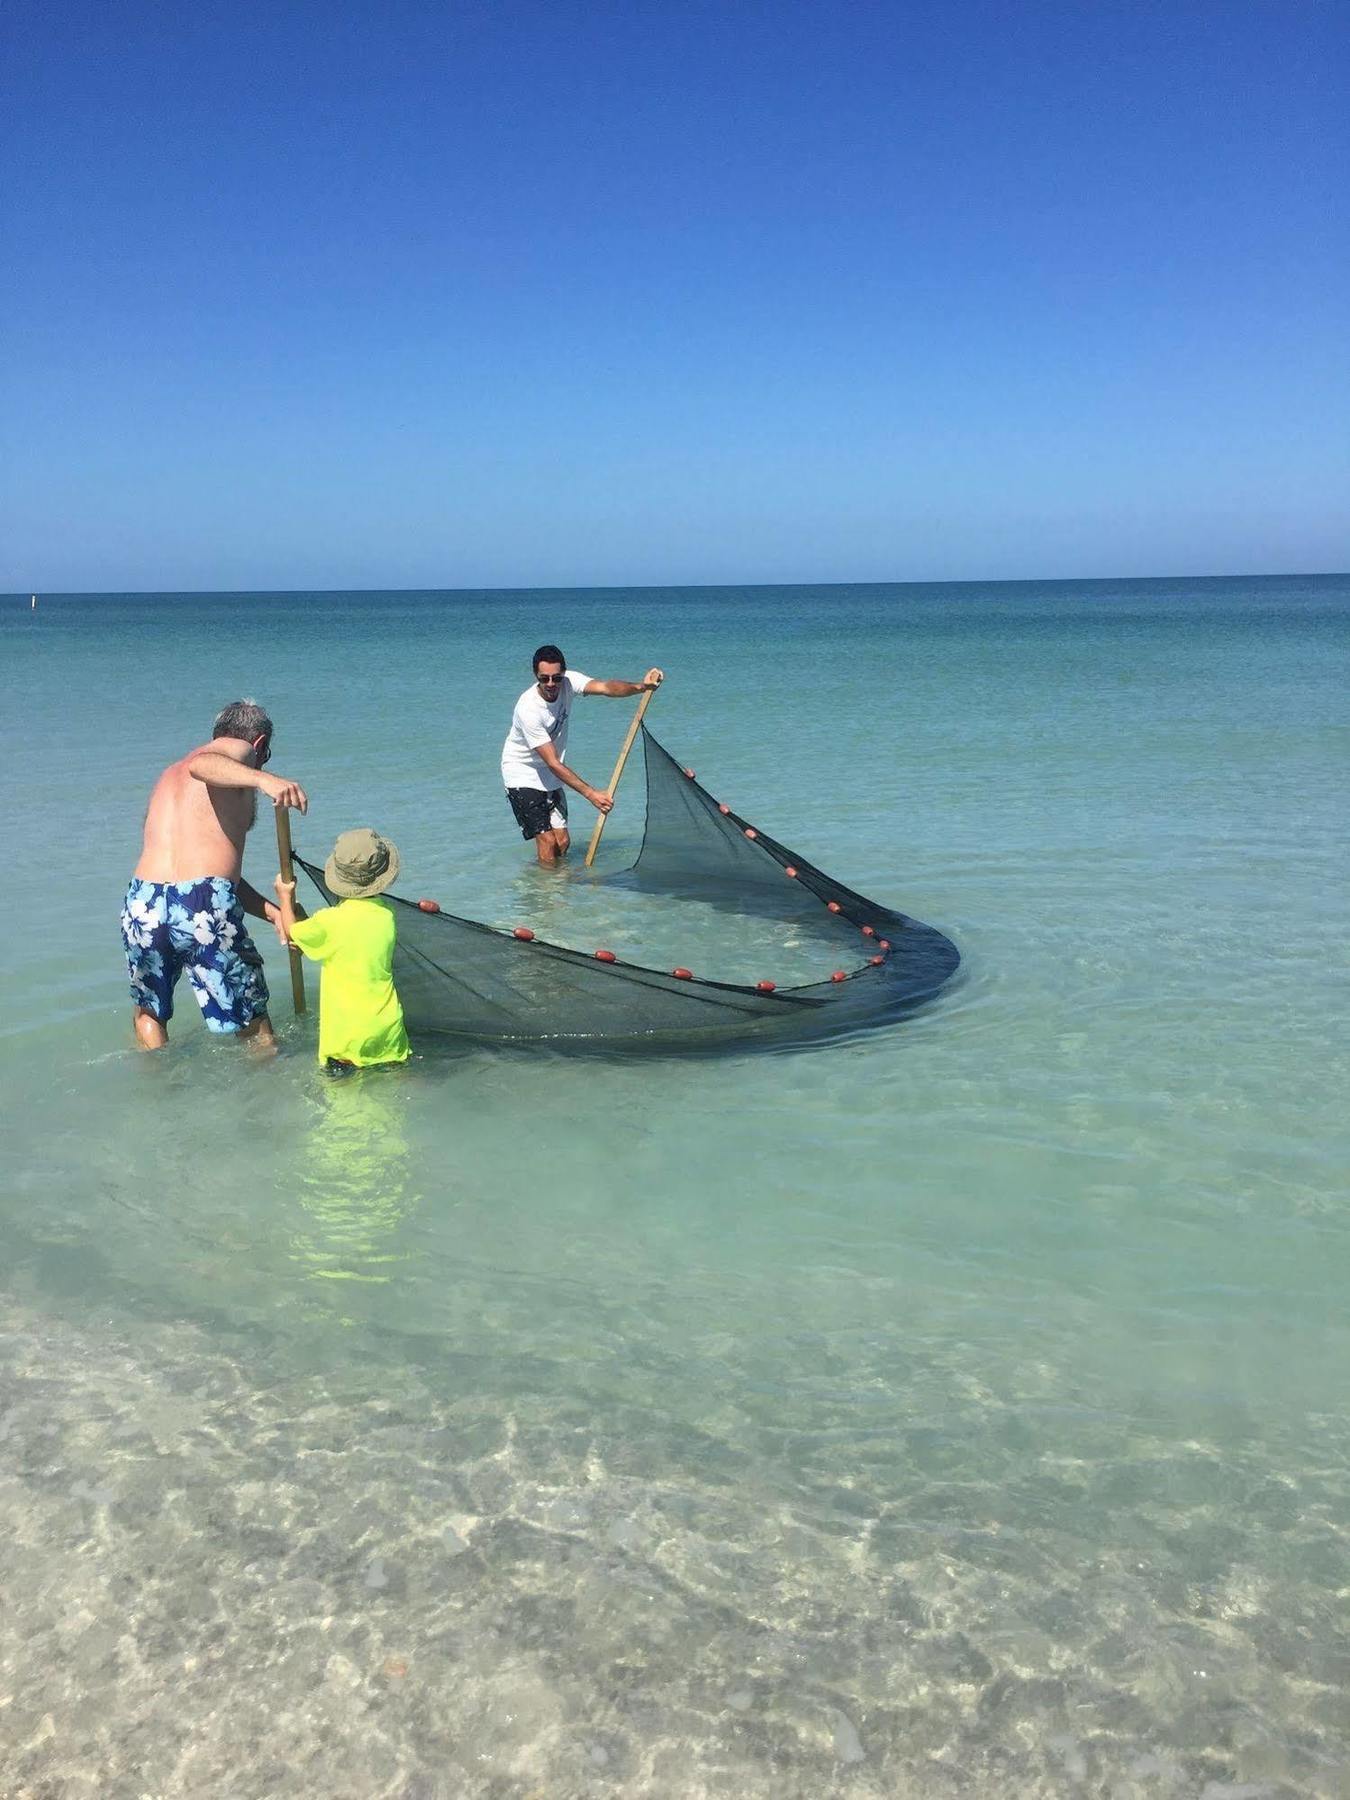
222,1579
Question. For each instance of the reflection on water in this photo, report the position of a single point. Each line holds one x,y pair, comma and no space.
355,1180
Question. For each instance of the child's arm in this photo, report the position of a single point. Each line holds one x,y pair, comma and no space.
287,907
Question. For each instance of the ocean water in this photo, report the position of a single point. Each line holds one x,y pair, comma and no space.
959,1410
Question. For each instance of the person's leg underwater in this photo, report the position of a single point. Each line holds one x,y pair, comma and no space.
259,1036
152,966
150,1034
551,846
542,818
560,839
225,969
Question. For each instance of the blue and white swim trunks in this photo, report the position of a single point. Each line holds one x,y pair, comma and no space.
169,926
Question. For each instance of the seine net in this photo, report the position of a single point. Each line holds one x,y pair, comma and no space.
458,978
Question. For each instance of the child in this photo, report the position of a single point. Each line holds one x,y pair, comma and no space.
360,1019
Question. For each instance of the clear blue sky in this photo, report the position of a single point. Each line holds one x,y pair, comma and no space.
401,294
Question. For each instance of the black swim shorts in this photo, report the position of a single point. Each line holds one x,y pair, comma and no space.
537,810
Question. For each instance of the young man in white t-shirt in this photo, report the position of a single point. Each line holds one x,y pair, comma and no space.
533,765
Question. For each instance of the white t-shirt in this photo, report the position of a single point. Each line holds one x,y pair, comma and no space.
538,721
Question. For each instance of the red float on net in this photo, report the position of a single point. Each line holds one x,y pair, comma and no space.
840,975
790,872
723,808
750,832
766,987
682,974
884,943
832,905
874,960
868,931
689,774
524,933
428,906
605,956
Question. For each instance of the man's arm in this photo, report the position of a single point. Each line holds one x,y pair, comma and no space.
217,768
622,690
557,767
258,906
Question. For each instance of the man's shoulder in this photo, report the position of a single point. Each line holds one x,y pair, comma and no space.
180,775
180,764
237,749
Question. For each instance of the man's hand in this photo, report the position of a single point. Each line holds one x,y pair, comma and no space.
284,793
653,678
599,799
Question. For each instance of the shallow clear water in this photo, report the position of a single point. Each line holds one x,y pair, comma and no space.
958,1410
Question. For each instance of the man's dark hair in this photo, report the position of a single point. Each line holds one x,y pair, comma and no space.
242,719
548,653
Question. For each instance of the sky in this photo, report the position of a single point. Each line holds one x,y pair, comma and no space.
504,293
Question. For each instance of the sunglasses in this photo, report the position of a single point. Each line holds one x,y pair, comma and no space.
549,680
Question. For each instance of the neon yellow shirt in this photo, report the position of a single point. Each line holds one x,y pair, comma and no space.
360,1019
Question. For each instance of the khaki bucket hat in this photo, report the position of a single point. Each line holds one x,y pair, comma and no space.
363,863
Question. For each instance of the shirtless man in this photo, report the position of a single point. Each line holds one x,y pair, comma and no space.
185,905
534,766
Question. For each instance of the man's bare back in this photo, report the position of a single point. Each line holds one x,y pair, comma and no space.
185,905
193,829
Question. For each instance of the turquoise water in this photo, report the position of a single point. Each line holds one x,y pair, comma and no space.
958,1410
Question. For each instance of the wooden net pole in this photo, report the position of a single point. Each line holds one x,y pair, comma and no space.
287,865
642,706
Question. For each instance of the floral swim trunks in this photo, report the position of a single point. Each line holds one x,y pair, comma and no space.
170,926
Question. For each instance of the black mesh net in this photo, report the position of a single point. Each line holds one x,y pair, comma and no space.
461,979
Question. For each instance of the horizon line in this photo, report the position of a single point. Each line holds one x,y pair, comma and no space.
680,586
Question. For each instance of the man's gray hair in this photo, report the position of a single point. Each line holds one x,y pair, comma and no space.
242,719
